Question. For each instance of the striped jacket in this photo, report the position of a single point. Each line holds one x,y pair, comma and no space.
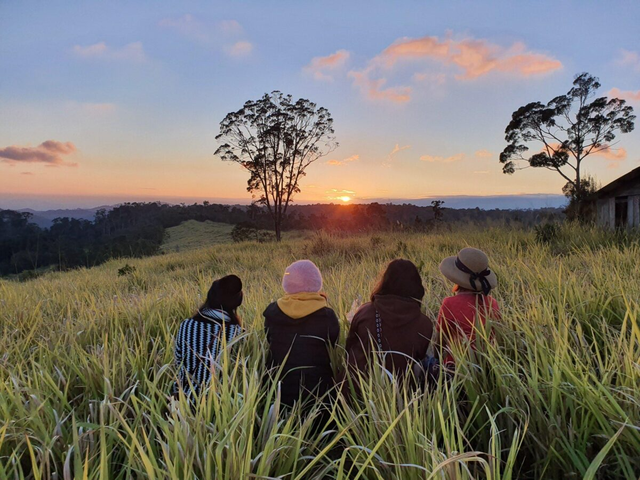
198,345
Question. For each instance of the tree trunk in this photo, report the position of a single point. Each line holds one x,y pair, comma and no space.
278,228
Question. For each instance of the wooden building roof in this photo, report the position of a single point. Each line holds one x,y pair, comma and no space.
625,181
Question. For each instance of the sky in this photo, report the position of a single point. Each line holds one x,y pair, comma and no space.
102,101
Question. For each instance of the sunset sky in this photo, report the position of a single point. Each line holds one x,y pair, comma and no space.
123,99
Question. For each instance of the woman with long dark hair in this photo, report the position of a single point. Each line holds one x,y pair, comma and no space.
202,337
391,322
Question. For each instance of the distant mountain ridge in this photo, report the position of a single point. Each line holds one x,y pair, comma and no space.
44,218
501,202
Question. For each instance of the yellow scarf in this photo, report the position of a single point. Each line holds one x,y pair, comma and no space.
300,305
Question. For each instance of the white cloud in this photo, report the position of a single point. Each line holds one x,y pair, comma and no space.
629,59
230,27
239,49
188,26
132,52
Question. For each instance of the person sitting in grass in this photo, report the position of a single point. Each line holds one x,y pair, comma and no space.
471,303
202,338
300,328
391,322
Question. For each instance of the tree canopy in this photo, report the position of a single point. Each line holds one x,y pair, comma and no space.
567,130
276,138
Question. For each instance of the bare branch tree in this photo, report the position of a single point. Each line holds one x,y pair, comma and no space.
276,139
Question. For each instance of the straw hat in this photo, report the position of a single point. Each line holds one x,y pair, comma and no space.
470,270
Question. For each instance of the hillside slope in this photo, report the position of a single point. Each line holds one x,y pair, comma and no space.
193,234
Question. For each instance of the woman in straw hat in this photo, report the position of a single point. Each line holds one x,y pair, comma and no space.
471,302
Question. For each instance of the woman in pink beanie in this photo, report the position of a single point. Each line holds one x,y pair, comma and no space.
300,328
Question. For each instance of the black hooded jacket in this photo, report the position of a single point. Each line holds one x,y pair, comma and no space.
302,344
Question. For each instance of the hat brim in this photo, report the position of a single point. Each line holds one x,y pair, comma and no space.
451,272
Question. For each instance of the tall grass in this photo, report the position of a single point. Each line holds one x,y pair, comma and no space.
85,369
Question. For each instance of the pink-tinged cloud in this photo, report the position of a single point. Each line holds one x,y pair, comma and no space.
26,173
483,153
374,89
628,95
474,57
340,163
321,68
239,49
615,155
50,153
438,159
133,52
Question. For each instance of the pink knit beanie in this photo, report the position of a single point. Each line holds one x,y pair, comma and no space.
302,276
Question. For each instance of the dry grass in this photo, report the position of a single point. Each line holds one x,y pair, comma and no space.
85,368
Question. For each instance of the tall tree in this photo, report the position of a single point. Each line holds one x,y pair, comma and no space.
567,130
276,139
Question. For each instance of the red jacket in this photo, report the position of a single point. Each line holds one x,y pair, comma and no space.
458,314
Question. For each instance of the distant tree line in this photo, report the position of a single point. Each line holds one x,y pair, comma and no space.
138,229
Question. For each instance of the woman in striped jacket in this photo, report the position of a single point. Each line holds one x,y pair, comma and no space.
201,338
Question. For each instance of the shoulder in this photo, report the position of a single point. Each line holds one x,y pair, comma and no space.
272,310
186,323
331,315
366,309
365,313
448,300
426,322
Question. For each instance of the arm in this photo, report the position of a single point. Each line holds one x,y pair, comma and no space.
357,345
439,338
334,329
177,351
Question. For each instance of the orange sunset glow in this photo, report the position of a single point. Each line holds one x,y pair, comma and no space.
132,110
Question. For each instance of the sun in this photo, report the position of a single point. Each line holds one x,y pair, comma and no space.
345,199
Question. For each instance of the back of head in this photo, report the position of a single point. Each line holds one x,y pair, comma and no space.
225,294
401,278
302,276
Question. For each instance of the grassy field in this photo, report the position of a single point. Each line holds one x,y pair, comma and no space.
85,369
192,234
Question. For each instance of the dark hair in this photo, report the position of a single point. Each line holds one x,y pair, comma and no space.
225,294
401,278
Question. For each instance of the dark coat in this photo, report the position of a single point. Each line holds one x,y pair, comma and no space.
405,329
304,343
